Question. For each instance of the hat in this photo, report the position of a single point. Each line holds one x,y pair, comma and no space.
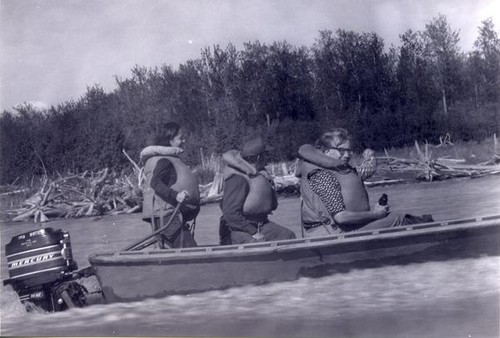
254,147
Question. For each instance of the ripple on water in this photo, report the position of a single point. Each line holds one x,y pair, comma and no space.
413,287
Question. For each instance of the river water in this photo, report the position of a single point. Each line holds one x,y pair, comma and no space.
456,298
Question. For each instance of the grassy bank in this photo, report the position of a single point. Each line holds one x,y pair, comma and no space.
471,152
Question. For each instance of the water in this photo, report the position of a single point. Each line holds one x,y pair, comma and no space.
435,299
459,298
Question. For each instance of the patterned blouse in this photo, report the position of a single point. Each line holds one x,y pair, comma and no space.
324,184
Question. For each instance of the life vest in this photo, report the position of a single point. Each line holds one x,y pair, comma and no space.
154,206
312,209
261,195
354,193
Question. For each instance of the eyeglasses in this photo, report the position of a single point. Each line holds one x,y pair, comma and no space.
343,151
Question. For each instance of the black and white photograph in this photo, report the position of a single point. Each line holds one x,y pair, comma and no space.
250,168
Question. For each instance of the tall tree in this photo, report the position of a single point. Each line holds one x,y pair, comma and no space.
289,81
416,94
487,60
254,90
443,50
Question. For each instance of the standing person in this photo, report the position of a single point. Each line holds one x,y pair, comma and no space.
336,200
249,197
169,182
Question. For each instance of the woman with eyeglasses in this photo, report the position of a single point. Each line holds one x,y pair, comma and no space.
334,198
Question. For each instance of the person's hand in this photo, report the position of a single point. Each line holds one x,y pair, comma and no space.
369,165
380,211
182,196
177,150
264,173
259,237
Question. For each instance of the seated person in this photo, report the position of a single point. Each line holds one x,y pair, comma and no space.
249,198
335,200
169,185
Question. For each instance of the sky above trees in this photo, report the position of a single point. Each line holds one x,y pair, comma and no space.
52,50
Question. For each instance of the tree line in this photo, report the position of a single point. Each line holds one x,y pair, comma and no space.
386,97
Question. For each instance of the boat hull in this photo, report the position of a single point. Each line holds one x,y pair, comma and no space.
135,275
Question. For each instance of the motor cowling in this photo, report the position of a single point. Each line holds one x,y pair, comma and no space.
40,265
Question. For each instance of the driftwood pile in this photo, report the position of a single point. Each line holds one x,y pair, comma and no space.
429,169
94,193
86,194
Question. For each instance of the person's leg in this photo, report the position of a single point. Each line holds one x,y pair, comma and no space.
224,232
161,241
392,220
189,241
239,237
167,238
183,239
276,232
412,219
173,227
320,231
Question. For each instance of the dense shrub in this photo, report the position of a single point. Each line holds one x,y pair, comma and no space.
423,90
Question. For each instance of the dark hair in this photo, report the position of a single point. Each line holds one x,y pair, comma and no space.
167,133
333,138
251,159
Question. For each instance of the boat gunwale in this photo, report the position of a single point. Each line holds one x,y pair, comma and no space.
251,249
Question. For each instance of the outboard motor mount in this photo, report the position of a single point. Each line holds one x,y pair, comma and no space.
40,265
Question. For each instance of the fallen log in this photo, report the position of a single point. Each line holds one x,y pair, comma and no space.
475,167
14,192
386,182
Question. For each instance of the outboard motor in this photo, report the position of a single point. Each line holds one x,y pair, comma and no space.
40,267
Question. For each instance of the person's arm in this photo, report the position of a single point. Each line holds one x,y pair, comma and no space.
233,159
164,176
236,190
312,154
347,218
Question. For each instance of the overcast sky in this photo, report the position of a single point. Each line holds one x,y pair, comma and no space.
51,50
